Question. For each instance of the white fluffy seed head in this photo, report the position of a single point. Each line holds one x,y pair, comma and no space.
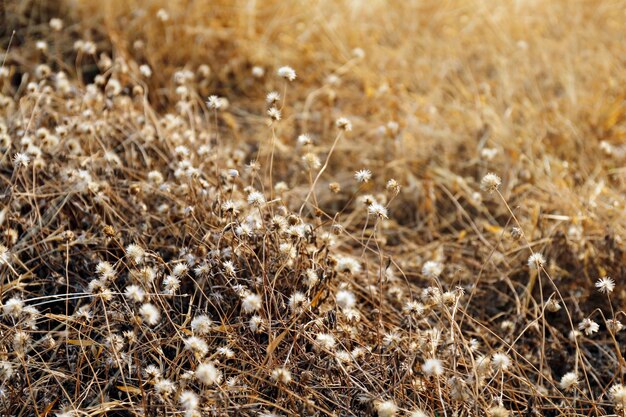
614,325
13,307
378,210
4,254
256,198
617,393
21,160
281,375
536,261
348,264
164,387
272,97
196,345
150,314
490,182
105,270
274,114
189,400
258,72
325,341
208,374
134,293
386,408
498,411
344,124
214,102
363,175
588,326
432,269
180,270
136,253
171,284
251,302
568,381
304,140
201,324
56,24
500,361
152,372
256,324
297,302
605,285
432,367
287,73
345,299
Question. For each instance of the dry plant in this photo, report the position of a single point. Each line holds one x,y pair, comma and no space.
324,208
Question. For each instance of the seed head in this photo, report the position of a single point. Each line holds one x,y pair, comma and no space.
344,124
614,325
208,374
251,303
345,299
20,160
536,261
617,393
393,186
171,284
378,210
198,346
297,302
256,198
605,285
498,411
135,293
311,160
164,387
490,182
501,361
363,175
258,72
4,254
287,73
214,102
201,324
274,114
272,98
568,381
189,400
432,367
304,140
432,269
56,24
136,253
324,341
150,314
552,305
588,326
386,409
281,375
13,307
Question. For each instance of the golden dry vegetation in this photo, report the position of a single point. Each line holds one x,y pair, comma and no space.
312,208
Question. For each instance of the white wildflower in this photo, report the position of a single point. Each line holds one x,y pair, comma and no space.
150,314
287,73
208,374
490,182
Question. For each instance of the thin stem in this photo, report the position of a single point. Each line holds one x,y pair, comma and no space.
319,174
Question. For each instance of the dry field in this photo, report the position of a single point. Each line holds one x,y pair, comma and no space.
312,208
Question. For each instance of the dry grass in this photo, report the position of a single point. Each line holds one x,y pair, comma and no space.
163,257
